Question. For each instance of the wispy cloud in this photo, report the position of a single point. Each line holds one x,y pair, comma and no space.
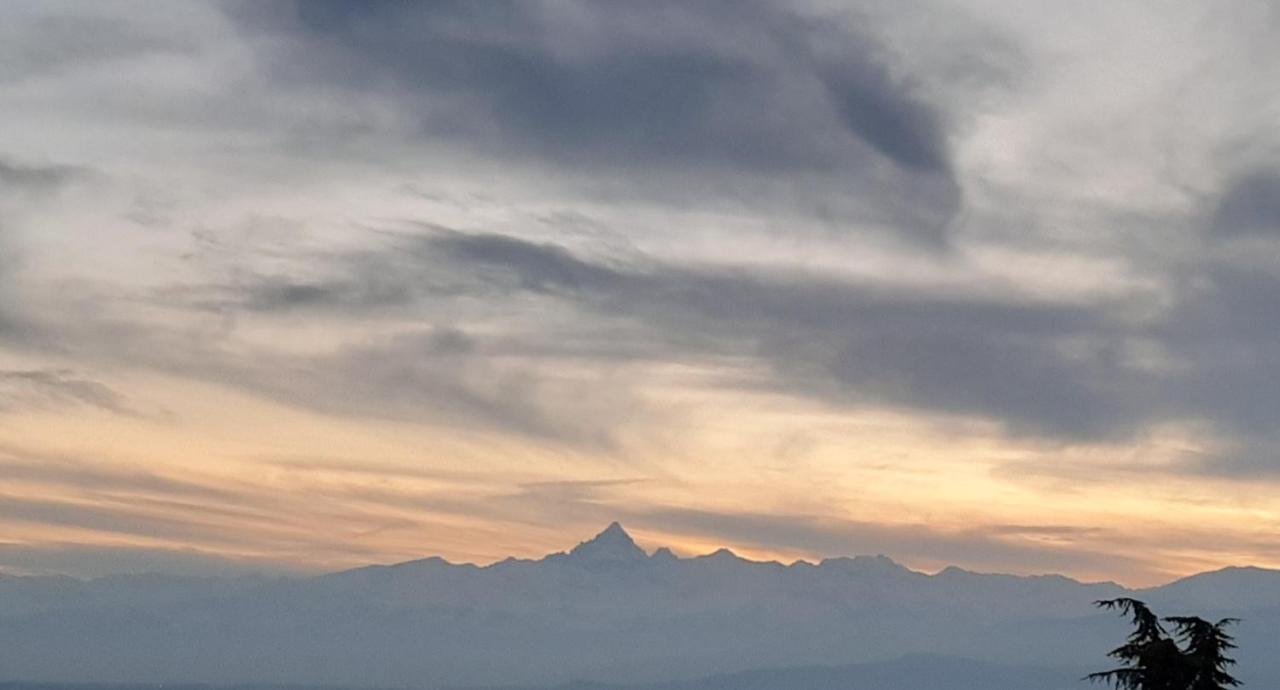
51,388
656,242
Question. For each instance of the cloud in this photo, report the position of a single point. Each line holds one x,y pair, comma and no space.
30,178
23,464
1250,205
836,340
21,183
1028,548
850,343
91,561
340,512
841,341
643,188
27,389
138,520
39,40
887,117
98,507
617,80
1047,368
994,547
437,375
738,95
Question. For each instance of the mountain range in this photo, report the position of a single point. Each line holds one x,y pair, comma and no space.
603,614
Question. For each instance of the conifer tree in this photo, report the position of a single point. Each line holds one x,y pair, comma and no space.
1207,645
1153,659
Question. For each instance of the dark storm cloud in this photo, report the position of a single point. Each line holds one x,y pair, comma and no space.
634,90
1250,205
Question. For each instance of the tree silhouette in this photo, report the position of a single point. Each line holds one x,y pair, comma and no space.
1206,645
1153,660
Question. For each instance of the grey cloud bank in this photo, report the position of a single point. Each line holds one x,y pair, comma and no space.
631,92
514,222
726,91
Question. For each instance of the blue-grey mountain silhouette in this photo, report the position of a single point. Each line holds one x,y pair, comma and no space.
605,611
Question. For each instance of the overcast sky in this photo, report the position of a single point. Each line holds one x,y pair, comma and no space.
300,286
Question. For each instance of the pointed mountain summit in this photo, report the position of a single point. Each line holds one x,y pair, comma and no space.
613,545
664,555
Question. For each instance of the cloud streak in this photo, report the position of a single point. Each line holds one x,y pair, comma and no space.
983,267
44,388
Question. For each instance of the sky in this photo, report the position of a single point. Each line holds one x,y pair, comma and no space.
294,287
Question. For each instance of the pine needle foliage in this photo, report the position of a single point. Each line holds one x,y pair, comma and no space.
1194,657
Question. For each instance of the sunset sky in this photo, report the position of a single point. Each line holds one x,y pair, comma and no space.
299,287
